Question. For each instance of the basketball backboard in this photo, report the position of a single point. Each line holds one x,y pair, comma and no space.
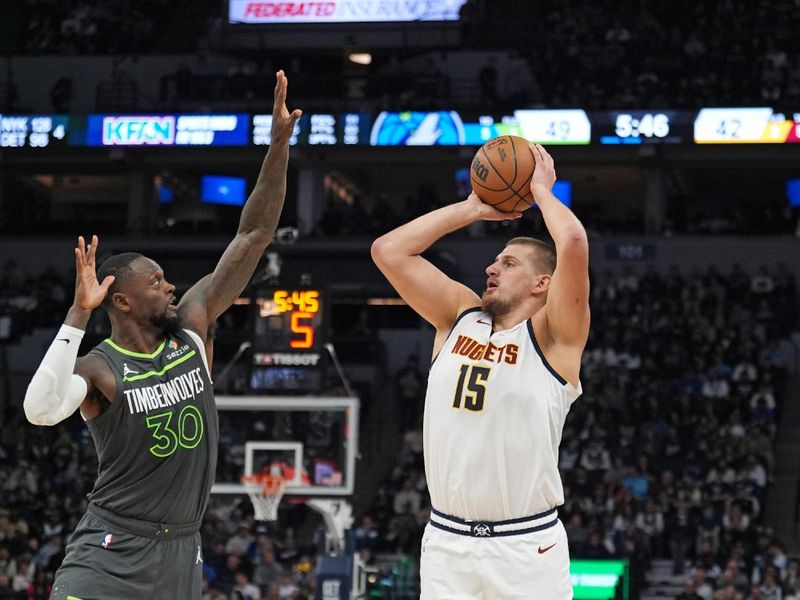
275,435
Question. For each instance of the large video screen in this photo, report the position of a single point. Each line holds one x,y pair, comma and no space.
342,11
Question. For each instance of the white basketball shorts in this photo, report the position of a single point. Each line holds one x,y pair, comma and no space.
477,566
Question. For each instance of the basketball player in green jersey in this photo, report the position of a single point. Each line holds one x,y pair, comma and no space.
146,396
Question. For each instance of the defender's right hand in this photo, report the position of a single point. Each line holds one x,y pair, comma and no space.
89,293
484,212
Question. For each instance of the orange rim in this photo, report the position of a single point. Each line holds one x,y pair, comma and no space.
271,485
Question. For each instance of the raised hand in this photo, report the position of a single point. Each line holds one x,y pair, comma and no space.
282,120
89,293
545,172
485,212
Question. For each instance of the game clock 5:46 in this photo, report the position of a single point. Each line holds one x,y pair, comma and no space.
288,338
642,127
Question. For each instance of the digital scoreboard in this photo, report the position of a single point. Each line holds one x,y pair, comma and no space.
746,126
288,339
643,127
33,131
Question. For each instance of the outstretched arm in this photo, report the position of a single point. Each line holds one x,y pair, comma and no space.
434,296
567,308
213,294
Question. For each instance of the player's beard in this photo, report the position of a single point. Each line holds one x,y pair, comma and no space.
166,323
494,305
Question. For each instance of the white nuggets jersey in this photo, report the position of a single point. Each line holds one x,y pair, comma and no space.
494,411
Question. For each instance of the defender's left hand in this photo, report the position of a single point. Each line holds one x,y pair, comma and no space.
282,120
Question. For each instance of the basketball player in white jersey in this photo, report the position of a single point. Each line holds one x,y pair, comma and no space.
505,372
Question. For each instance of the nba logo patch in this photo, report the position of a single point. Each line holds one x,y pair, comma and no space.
107,542
173,344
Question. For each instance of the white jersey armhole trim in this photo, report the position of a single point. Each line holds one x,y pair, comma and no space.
463,314
576,391
198,340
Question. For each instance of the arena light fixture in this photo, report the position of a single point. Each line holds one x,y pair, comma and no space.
360,58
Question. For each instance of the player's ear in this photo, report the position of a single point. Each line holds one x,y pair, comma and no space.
542,283
120,302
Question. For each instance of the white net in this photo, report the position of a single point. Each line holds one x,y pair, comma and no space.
266,492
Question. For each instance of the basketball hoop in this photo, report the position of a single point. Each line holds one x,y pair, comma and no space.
266,492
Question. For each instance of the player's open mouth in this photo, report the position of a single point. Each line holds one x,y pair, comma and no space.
490,285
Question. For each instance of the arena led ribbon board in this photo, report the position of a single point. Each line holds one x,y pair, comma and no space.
167,130
745,125
33,131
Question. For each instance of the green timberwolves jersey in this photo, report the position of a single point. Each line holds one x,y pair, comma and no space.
157,441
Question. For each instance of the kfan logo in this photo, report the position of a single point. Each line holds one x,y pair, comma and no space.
138,130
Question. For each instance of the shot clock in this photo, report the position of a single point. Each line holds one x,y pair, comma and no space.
288,339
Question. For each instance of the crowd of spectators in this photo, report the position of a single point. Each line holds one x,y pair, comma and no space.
350,211
93,27
670,451
28,301
643,54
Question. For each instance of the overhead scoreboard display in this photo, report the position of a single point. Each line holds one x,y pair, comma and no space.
745,126
318,129
33,131
643,127
449,128
748,125
288,339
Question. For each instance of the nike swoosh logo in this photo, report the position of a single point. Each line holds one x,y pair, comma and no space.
543,550
63,340
484,322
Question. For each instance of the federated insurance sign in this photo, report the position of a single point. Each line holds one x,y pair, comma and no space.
342,11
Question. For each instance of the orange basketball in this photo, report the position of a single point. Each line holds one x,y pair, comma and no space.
501,173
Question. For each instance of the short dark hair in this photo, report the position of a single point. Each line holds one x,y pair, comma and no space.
543,254
118,265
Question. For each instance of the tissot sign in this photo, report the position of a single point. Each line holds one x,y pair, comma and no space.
342,11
